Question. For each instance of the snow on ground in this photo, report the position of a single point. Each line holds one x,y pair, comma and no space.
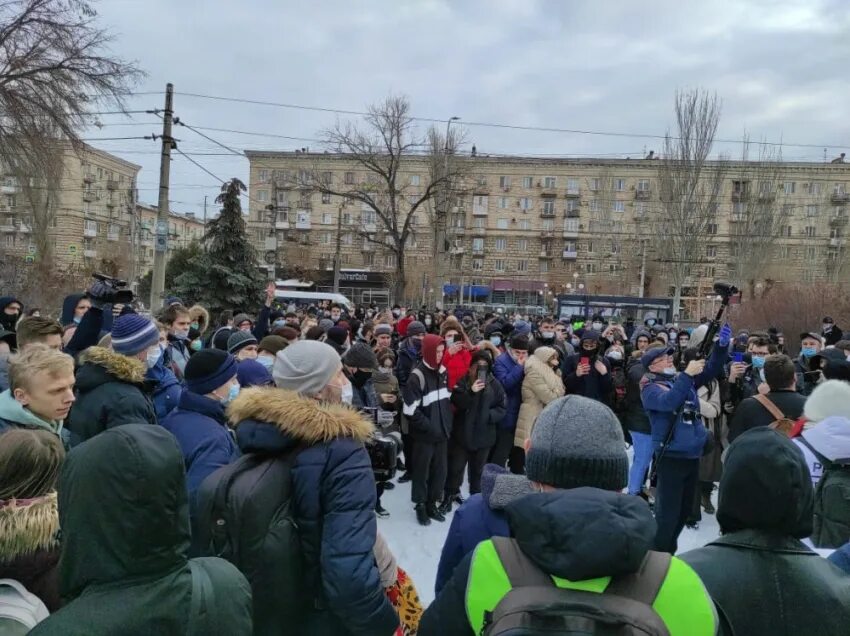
417,548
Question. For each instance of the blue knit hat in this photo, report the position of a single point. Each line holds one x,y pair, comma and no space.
132,333
209,369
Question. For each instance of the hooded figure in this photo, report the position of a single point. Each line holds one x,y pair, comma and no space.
765,507
592,384
541,385
124,568
9,321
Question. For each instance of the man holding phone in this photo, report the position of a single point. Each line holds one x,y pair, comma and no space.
586,372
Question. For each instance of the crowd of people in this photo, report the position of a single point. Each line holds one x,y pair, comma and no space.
171,474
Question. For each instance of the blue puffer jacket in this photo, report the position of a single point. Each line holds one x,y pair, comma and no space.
333,490
666,397
510,374
201,430
480,518
166,395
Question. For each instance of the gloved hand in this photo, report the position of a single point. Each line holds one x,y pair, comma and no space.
98,293
725,336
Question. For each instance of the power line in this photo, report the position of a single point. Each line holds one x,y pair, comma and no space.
188,158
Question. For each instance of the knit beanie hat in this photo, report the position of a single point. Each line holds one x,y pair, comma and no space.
325,324
337,335
209,369
132,333
305,366
383,329
272,344
577,442
360,356
415,328
314,333
252,373
519,343
522,328
220,338
239,340
238,319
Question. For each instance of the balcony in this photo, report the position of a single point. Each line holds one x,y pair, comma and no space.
281,225
112,236
90,253
737,218
368,246
572,214
90,232
7,226
370,228
740,195
838,220
477,250
643,195
481,188
767,195
550,214
547,189
303,225
458,251
110,203
573,192
112,184
457,231
570,233
570,255
479,211
89,177
25,229
836,242
839,197
89,196
479,231
545,254
146,242
547,233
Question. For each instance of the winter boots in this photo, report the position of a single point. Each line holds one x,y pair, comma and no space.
705,500
422,515
434,513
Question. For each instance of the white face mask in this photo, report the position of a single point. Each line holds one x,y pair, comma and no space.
669,371
154,354
615,355
347,393
597,326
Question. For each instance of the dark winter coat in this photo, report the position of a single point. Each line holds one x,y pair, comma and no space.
481,517
750,413
634,416
125,537
427,408
166,393
333,490
806,380
200,426
567,533
111,390
593,385
478,415
408,357
834,336
510,374
765,507
179,354
29,546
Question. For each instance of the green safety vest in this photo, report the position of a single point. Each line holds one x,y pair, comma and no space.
682,602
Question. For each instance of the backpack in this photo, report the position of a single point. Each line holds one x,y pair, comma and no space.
20,610
245,514
781,424
832,502
535,606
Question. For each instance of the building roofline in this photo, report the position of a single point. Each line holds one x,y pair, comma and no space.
111,157
177,215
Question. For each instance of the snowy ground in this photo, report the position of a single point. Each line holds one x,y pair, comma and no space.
417,549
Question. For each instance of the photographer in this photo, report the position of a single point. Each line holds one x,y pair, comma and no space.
746,375
586,372
811,344
93,312
678,434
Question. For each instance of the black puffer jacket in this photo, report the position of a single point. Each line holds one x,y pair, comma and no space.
634,417
477,415
427,406
780,586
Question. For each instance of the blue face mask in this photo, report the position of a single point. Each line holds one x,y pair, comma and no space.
195,345
669,371
808,352
758,362
77,320
279,323
266,361
231,394
496,340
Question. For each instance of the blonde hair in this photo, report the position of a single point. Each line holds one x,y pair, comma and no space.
30,460
36,358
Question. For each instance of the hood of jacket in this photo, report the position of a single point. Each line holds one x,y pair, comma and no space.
9,322
123,508
488,479
429,350
507,488
27,526
14,411
831,438
583,533
766,486
272,420
99,366
829,398
543,354
68,307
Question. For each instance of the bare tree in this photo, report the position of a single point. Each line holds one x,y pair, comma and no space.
382,147
689,187
55,69
758,216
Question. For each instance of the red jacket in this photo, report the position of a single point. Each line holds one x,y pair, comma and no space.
456,366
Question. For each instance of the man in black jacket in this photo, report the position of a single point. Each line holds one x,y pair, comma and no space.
426,405
831,332
779,374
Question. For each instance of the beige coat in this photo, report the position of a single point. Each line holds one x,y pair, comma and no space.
540,386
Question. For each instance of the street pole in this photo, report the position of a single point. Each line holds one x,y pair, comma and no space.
443,217
338,247
161,242
642,268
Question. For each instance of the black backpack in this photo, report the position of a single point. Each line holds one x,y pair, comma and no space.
535,606
244,513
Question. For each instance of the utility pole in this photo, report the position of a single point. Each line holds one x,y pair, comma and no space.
161,242
338,247
440,232
642,267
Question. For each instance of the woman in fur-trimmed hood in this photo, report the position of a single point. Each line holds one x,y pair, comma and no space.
332,491
111,389
30,461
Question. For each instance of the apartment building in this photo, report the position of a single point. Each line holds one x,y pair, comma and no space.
525,229
183,229
88,227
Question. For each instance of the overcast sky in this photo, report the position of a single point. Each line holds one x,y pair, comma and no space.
780,68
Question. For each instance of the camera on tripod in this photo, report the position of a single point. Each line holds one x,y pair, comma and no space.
110,290
725,290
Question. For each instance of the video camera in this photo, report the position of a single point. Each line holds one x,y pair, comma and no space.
382,448
110,290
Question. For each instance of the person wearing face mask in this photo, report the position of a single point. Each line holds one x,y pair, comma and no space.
409,352
671,401
167,388
541,385
745,377
199,423
429,414
495,335
587,372
545,336
268,348
807,378
242,345
302,428
10,312
458,355
74,307
509,370
597,323
431,325
831,332
111,387
176,318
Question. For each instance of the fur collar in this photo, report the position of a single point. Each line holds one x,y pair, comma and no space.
122,367
303,418
28,526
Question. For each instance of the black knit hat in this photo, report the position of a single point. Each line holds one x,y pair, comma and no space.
209,369
519,343
360,356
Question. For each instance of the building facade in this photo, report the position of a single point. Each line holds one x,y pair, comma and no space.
523,230
183,229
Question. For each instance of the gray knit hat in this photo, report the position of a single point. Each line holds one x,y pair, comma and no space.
305,366
415,328
325,324
238,340
361,356
578,442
